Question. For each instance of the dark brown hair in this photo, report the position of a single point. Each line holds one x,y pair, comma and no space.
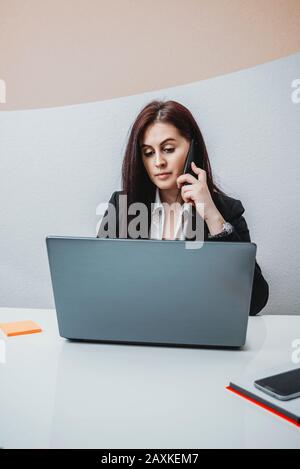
135,180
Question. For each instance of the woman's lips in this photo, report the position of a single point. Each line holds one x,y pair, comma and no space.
163,175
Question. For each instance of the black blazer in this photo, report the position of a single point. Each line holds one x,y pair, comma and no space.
231,210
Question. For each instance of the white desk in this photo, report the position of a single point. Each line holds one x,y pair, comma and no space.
55,393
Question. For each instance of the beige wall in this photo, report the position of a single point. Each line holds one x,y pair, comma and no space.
59,52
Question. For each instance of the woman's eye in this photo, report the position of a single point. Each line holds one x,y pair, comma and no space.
168,150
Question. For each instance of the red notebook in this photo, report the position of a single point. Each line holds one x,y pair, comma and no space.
244,387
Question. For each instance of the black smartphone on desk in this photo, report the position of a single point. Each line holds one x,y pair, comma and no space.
283,386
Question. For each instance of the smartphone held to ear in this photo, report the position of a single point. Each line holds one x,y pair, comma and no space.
191,156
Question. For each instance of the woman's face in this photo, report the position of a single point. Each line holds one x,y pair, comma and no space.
164,150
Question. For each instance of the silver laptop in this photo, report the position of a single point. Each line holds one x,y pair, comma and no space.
152,291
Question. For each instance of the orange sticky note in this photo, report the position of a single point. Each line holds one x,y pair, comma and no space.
19,327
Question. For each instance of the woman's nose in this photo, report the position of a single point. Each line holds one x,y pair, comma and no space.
159,161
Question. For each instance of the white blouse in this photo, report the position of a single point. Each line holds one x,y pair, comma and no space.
158,219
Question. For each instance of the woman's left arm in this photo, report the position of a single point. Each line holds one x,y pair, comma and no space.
196,191
260,288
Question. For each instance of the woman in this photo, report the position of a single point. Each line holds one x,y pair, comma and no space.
152,175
